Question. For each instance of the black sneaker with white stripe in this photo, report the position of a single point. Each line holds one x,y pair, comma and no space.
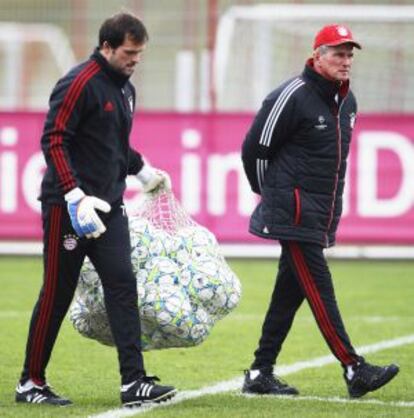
39,395
145,390
264,382
368,377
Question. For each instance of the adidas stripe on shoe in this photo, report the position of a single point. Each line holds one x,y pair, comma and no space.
145,390
31,393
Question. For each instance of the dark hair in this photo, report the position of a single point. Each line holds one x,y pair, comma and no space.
117,27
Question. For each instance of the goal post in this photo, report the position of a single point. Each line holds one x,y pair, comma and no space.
259,46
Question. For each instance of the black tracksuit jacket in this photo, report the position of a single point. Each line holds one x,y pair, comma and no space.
86,134
295,155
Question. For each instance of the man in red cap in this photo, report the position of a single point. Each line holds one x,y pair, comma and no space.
294,156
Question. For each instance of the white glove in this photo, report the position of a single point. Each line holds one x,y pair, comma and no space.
84,219
153,179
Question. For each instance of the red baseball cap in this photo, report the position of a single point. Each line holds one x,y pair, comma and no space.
333,35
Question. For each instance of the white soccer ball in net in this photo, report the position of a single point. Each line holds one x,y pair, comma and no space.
167,306
147,242
88,312
191,243
211,285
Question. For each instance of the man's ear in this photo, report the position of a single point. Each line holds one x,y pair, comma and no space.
106,46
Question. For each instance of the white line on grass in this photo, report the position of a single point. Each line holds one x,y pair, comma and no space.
310,318
336,399
236,383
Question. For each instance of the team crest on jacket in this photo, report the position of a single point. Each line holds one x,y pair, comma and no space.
321,123
352,117
70,242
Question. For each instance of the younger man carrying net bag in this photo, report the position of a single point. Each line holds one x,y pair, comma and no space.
86,146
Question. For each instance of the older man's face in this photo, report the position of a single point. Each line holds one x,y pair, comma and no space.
335,63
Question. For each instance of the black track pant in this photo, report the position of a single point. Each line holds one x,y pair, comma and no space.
303,273
63,257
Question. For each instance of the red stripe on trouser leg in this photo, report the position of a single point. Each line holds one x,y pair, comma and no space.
54,275
48,297
44,302
318,306
320,311
36,352
49,293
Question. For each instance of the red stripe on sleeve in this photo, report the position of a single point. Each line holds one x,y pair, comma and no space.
72,95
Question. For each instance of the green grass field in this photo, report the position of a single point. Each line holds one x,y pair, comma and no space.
376,299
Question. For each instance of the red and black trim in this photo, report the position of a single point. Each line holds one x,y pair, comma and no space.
48,298
72,95
343,91
317,305
338,166
297,206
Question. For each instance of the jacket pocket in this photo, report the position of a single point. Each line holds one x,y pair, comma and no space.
296,194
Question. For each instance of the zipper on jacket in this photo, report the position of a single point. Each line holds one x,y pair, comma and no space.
338,165
298,208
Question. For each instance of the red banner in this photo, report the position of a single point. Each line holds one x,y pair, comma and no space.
202,154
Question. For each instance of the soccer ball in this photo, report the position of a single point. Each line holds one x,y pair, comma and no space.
146,242
201,279
232,288
91,322
211,284
191,243
161,271
179,251
140,231
89,287
168,309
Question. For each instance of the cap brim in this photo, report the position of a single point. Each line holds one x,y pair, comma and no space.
345,41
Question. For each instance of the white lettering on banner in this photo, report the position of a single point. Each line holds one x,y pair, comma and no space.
31,179
368,202
8,171
8,136
191,172
219,167
8,182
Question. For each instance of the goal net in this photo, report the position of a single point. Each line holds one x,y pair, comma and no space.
257,47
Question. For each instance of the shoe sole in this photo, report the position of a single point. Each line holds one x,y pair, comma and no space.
269,393
45,403
391,373
252,392
163,398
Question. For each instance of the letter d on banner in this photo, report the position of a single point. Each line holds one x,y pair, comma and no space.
368,203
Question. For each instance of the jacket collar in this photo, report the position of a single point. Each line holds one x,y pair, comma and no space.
118,78
327,88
